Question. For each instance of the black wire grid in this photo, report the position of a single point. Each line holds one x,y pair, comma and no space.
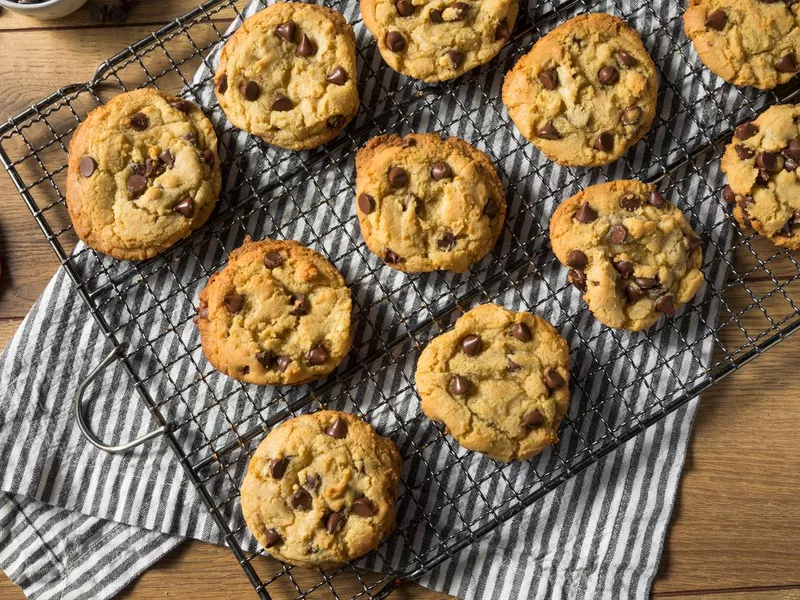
449,498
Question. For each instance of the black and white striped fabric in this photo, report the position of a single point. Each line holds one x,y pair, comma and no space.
78,523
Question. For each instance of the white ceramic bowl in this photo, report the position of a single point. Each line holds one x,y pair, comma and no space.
51,9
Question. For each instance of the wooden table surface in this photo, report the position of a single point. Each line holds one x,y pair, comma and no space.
736,527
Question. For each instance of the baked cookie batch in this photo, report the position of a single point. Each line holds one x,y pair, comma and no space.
321,488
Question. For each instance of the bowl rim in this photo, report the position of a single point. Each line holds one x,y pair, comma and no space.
10,4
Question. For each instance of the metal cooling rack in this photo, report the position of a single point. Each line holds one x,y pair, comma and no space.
212,424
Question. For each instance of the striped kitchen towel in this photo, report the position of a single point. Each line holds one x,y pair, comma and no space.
78,523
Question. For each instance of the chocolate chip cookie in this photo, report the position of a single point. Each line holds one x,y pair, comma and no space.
288,75
499,381
585,93
442,39
321,489
425,203
629,251
278,313
761,163
143,173
746,42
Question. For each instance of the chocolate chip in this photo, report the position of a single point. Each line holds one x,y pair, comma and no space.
549,79
182,105
404,8
395,41
577,260
553,379
185,207
632,115
471,345
634,293
167,158
744,152
630,201
786,64
522,332
266,358
286,31
461,9
301,500
245,370
234,303
618,234
152,168
728,194
577,278
585,214
435,17
646,282
139,121
222,85
717,20
208,157
362,507
745,131
337,77
455,57
769,161
318,355
694,242
548,132
627,59
87,166
137,184
336,121
334,522
273,538
608,75
512,366
337,429
392,257
412,200
277,467
657,200
273,259
786,230
250,90
502,32
366,203
459,386
491,208
283,363
138,169
281,103
191,138
665,305
790,164
441,170
312,483
792,150
762,178
604,142
299,307
306,47
447,241
532,419
624,268
398,177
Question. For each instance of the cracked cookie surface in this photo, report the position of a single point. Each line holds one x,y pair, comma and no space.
761,164
631,253
277,313
321,489
499,381
436,40
746,42
425,203
585,93
288,75
143,173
